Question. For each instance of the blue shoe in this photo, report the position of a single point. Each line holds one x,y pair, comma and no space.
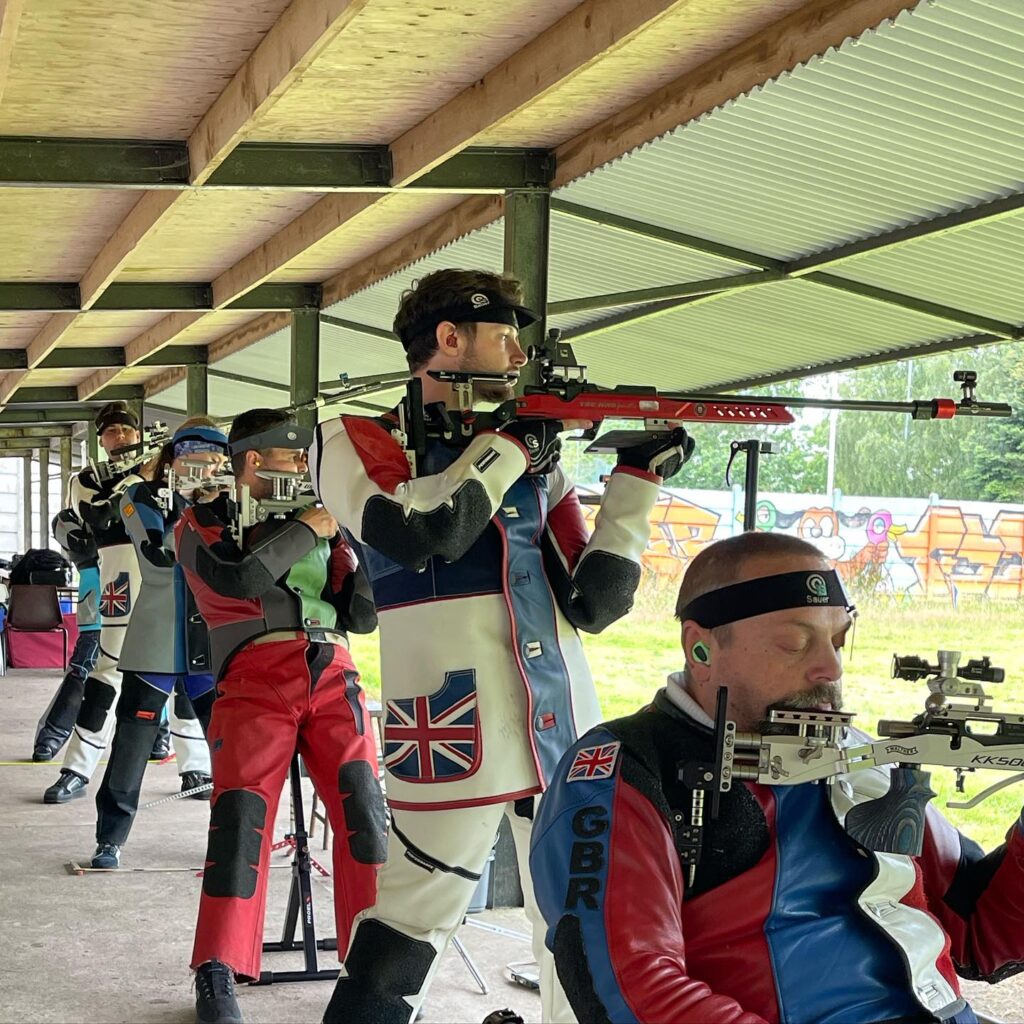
108,855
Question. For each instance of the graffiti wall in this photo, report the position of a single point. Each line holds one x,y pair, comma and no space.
899,546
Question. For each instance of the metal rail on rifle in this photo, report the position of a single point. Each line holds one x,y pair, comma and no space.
292,492
958,729
565,393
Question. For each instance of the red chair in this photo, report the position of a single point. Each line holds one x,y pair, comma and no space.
34,608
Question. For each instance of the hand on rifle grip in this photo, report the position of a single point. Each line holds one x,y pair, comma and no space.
662,456
541,441
320,521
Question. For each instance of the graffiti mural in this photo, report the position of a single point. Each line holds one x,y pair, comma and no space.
899,546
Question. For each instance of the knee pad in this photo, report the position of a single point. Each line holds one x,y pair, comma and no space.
363,805
140,701
96,703
234,844
383,966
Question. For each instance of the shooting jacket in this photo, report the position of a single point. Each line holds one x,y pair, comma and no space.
481,576
788,918
284,577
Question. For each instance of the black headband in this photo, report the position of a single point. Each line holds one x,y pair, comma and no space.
483,306
820,589
115,416
283,435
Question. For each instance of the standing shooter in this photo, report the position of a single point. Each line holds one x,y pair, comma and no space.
278,599
482,573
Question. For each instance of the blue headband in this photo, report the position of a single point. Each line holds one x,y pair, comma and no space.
193,439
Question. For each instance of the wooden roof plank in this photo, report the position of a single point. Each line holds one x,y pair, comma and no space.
302,32
586,34
10,16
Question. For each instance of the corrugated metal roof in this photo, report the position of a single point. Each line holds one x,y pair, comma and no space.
919,117
979,269
757,332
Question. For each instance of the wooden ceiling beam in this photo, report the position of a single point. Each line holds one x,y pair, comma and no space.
10,16
593,31
302,32
780,47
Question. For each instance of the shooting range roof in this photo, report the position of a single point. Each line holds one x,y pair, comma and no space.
745,190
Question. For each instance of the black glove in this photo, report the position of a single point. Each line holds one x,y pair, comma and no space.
541,441
663,456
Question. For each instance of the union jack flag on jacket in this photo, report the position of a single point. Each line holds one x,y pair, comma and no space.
482,576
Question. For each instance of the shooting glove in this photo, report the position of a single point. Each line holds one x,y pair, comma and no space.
541,441
662,456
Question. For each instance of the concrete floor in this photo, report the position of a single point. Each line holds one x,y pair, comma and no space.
112,948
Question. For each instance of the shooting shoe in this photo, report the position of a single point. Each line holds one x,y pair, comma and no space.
48,743
68,786
193,780
215,994
107,855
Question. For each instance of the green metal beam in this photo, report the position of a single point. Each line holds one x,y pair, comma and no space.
255,382
774,271
351,325
527,253
69,395
23,433
319,167
660,234
315,167
932,228
103,357
14,415
197,398
102,163
156,297
305,363
479,169
839,365
38,297
664,292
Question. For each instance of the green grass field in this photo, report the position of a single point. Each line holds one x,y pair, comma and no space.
631,659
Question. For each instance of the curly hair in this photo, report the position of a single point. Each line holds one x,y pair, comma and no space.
437,291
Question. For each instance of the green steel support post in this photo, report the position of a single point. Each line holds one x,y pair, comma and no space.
137,407
65,469
92,442
305,367
44,497
26,502
197,393
527,224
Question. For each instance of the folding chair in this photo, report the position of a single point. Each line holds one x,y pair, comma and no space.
35,609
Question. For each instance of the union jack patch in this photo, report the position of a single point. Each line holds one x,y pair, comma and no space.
594,763
116,599
435,738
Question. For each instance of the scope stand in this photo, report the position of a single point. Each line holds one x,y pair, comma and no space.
300,897
753,450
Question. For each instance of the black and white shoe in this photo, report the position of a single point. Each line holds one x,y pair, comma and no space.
69,786
108,855
193,780
215,994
